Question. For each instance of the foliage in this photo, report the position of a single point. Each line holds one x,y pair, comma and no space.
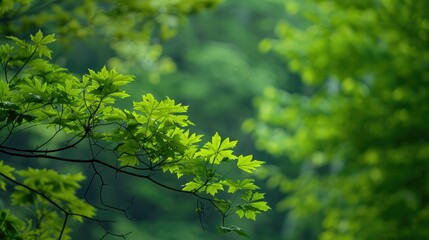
11,227
357,129
219,70
134,30
144,142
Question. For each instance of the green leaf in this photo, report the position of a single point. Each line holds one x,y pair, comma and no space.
249,214
128,160
260,205
217,150
246,184
257,196
164,113
193,185
213,188
48,39
222,205
112,114
18,41
119,79
43,50
246,163
37,38
252,206
190,139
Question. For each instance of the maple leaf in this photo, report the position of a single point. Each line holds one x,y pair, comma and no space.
247,164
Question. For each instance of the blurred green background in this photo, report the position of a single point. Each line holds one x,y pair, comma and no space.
333,95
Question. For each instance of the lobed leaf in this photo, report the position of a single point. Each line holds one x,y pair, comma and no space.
217,150
246,163
253,205
245,184
193,185
213,188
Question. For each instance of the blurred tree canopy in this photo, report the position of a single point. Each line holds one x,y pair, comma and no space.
130,31
83,124
352,140
219,69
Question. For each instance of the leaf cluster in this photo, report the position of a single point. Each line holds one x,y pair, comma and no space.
149,139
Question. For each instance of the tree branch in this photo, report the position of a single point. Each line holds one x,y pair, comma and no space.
117,169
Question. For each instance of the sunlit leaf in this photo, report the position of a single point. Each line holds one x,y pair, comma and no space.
247,164
213,188
217,150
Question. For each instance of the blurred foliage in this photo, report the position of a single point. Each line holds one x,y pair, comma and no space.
352,141
129,32
219,69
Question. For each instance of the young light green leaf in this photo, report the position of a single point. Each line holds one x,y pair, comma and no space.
246,184
43,50
246,163
48,39
253,205
18,41
260,205
37,38
128,160
112,114
218,150
249,214
192,185
213,188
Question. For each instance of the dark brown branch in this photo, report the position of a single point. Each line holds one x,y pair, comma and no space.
64,226
119,170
